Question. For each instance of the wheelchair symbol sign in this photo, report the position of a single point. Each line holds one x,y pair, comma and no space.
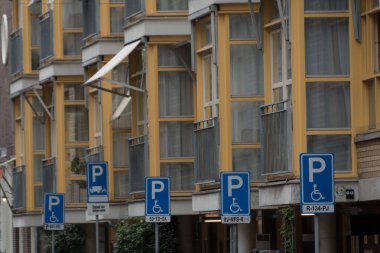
317,183
235,194
157,199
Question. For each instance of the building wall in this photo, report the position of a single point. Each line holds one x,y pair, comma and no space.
6,122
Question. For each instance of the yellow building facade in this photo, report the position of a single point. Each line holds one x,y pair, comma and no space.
188,89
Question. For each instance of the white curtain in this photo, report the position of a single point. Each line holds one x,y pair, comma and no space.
176,139
328,105
172,5
246,71
327,46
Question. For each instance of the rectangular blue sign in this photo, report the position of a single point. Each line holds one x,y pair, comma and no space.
157,196
54,210
97,182
235,194
317,183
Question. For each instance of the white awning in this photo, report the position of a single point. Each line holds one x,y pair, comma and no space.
119,57
121,107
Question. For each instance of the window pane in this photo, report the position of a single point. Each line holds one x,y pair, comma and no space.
72,43
371,104
38,196
76,123
377,42
327,46
326,5
176,139
176,94
35,27
339,145
120,149
247,160
207,78
328,105
124,121
120,73
278,94
172,5
167,57
206,34
72,14
74,92
117,19
246,71
121,184
38,135
35,59
37,166
74,161
76,191
276,57
246,122
241,27
181,175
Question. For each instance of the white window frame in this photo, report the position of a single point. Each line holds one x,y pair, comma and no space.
214,102
286,81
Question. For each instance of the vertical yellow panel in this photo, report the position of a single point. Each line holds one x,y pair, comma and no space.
60,137
107,131
154,142
28,146
267,58
104,18
224,93
298,85
58,34
150,7
27,61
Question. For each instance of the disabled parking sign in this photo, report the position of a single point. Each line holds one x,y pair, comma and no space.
54,211
317,183
235,197
157,199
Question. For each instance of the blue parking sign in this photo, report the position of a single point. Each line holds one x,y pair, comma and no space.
97,182
157,199
235,197
317,183
54,211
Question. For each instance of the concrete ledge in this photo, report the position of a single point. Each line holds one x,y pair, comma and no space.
61,68
20,85
99,48
179,206
197,5
369,189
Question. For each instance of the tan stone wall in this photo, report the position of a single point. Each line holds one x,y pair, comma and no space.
369,158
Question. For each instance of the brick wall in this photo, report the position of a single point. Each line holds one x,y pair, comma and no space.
6,115
368,158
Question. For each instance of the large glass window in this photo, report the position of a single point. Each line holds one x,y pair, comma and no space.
176,94
181,175
176,139
327,46
247,159
72,21
328,105
339,145
177,5
76,142
241,27
326,5
245,122
117,16
371,100
246,71
35,12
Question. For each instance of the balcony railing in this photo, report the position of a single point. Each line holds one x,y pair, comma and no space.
94,154
138,162
47,35
48,175
91,18
18,182
277,137
16,51
206,140
134,7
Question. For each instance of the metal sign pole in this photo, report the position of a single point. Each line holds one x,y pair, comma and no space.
316,233
233,238
52,242
97,233
157,239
